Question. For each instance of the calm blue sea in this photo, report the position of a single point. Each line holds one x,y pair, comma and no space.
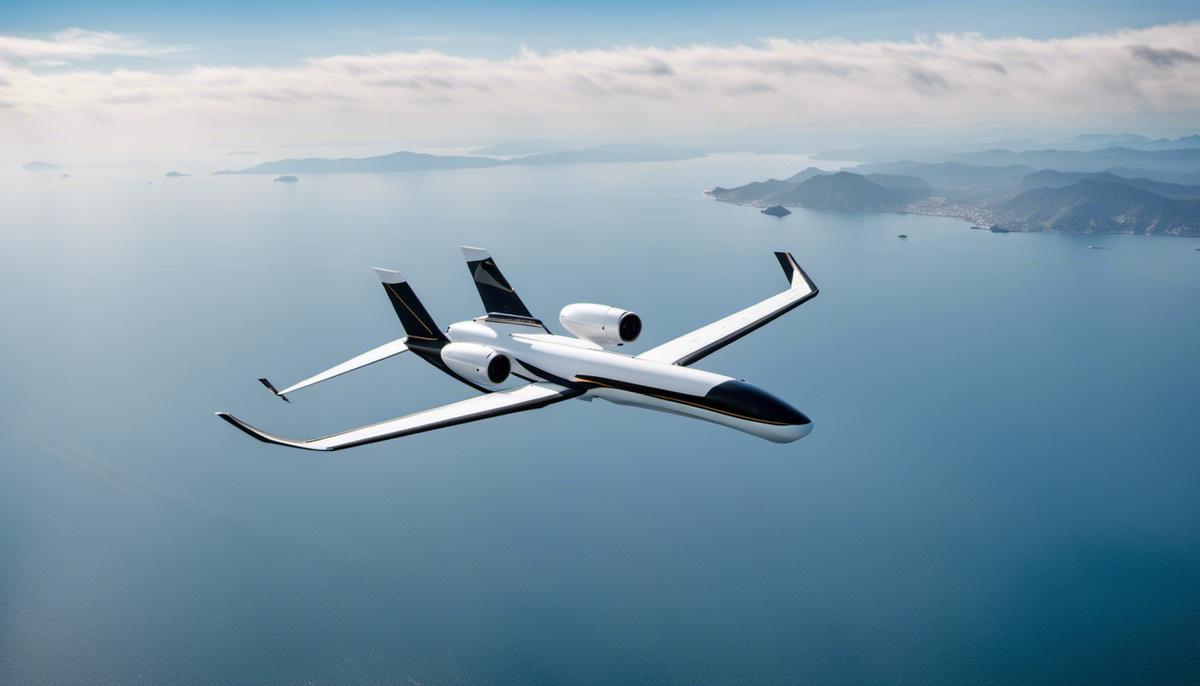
1002,483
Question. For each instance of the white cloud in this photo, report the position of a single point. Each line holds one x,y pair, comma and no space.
1151,76
72,45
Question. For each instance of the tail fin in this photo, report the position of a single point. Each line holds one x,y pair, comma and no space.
413,315
494,290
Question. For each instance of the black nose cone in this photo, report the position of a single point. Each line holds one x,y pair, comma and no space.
745,400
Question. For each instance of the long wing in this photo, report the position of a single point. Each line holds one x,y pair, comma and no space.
528,397
370,357
706,340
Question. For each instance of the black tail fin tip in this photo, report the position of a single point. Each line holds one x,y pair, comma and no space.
497,294
413,316
271,387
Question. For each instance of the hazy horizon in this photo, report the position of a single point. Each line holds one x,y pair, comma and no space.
90,91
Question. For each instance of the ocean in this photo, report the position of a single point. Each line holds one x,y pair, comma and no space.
1001,485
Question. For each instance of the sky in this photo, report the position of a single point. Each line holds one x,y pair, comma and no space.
112,82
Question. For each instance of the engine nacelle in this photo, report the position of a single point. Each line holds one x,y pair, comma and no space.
601,324
477,363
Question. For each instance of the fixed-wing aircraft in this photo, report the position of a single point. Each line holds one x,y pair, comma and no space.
508,343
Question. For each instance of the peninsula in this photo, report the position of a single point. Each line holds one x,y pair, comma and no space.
1007,197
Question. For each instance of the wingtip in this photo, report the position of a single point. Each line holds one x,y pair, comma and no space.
241,426
252,432
795,274
234,421
788,263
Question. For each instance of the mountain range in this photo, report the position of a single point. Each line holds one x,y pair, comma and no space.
937,151
1173,161
1090,141
1049,178
1091,206
1015,197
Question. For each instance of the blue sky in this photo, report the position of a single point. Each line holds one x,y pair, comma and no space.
226,31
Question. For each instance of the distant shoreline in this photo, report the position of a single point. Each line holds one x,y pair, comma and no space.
1012,198
405,161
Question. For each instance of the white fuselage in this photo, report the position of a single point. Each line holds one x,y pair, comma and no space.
627,380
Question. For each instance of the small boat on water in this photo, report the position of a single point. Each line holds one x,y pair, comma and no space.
1094,247
903,235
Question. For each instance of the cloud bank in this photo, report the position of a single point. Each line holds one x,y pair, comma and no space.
72,45
1148,77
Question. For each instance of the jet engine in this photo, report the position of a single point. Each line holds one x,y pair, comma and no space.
477,363
603,325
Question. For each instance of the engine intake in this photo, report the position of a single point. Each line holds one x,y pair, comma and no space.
477,363
603,325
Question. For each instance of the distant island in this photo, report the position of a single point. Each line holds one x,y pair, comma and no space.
287,179
531,146
414,161
394,162
38,165
1006,197
777,211
175,175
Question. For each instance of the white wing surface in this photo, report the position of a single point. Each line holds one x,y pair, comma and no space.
528,397
372,356
706,340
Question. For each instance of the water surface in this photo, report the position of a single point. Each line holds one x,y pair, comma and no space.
1001,485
